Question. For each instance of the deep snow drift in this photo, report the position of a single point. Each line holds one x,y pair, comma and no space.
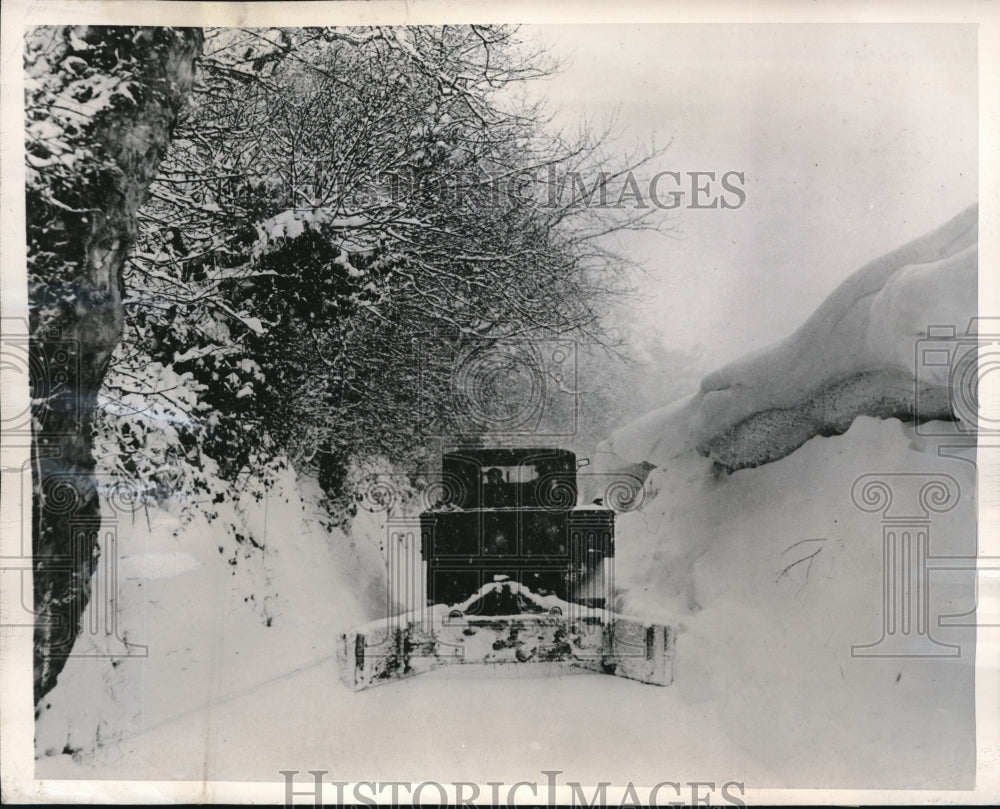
769,631
854,356
771,576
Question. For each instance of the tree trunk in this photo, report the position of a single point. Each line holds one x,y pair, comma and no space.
100,107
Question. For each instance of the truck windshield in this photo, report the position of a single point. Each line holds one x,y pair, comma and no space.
495,475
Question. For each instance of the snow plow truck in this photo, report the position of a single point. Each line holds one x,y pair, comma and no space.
511,570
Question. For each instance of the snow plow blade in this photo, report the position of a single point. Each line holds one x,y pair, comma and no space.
593,639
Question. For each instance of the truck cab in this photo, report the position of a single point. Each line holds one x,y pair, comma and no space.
512,514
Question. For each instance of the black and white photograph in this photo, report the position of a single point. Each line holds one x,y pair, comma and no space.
496,405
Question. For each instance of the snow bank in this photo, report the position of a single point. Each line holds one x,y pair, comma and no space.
766,643
775,571
220,619
854,356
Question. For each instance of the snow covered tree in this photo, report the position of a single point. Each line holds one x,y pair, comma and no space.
100,105
342,213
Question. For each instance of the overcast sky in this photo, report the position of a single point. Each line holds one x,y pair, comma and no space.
853,140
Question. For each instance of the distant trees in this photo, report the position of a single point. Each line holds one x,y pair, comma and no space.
343,214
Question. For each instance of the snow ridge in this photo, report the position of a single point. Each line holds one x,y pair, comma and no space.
854,356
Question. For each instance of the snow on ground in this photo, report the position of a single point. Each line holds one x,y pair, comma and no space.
766,690
219,618
222,695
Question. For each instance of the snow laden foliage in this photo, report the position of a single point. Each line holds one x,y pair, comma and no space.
342,213
62,106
